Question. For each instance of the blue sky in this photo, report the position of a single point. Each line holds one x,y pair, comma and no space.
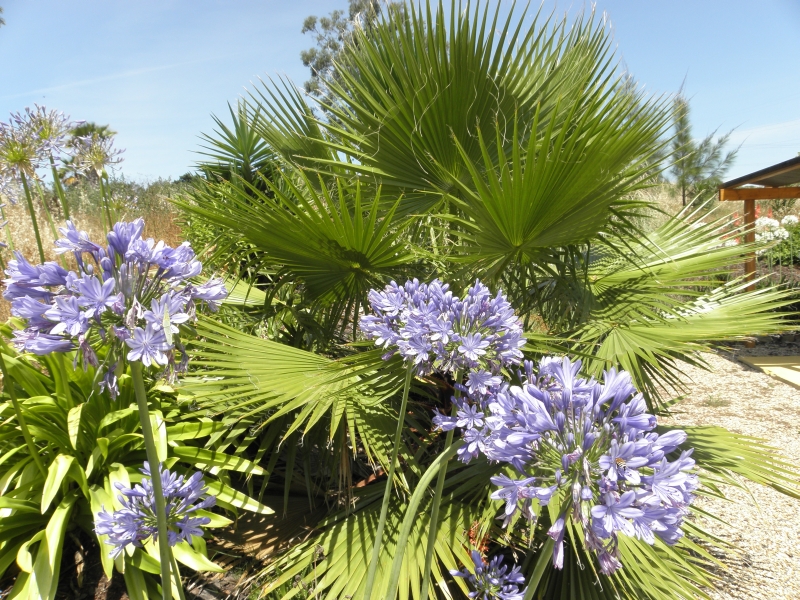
156,70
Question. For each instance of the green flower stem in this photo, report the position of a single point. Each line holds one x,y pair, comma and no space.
8,232
59,189
176,572
105,200
398,436
8,386
412,516
50,220
437,500
33,215
165,553
65,379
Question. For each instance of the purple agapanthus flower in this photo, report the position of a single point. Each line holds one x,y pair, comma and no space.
68,316
148,346
74,241
41,344
492,580
129,298
435,330
592,440
135,522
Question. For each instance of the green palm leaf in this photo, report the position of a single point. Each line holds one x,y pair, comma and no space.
334,242
237,150
254,380
669,299
334,564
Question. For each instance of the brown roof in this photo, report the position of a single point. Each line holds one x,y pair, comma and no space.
784,173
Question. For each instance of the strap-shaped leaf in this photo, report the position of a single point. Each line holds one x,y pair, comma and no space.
55,476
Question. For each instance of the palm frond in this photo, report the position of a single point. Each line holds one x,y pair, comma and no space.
337,243
670,298
257,382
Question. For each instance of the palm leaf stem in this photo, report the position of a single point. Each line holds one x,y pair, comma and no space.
376,548
8,386
164,552
437,500
545,555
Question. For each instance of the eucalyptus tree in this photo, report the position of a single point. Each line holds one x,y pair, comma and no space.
458,143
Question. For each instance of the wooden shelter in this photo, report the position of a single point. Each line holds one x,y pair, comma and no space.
772,183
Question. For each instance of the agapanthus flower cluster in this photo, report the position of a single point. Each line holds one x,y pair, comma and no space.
492,580
93,153
129,297
135,522
435,330
20,152
50,128
587,445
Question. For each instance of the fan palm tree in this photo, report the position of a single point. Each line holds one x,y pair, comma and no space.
460,144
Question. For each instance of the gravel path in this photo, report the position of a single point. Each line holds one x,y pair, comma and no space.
750,402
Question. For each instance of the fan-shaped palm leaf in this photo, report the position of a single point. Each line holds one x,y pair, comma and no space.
336,243
667,299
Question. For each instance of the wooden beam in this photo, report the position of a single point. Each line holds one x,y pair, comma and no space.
750,238
778,193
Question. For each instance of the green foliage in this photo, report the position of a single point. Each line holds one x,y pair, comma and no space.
88,443
505,148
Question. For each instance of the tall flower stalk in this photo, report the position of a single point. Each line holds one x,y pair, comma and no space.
93,155
51,128
130,298
433,330
32,211
158,491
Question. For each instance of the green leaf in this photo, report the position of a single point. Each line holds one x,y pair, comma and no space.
47,566
74,424
115,416
208,458
187,555
227,495
99,500
193,430
134,583
24,557
55,476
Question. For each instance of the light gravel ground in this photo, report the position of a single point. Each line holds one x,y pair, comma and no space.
748,401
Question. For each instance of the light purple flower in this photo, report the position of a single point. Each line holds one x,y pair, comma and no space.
148,346
492,581
68,316
40,344
123,234
212,292
135,522
74,241
96,297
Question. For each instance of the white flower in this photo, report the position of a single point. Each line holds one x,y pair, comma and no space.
789,221
766,224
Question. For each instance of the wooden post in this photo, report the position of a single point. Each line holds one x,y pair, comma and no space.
750,238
